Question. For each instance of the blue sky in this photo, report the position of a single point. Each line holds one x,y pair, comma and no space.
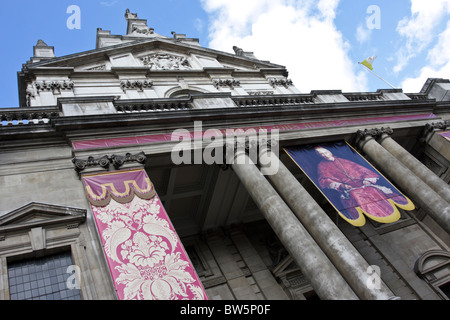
320,42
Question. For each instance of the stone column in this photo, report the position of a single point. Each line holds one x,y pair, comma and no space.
419,191
352,266
323,276
411,162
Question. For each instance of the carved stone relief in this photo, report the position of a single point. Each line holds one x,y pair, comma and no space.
142,30
55,86
231,83
97,68
260,93
139,85
31,93
161,61
274,82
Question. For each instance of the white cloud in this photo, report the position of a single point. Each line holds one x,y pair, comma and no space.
363,33
199,25
299,34
439,63
109,3
418,29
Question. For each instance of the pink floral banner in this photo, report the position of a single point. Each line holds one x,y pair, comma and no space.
120,186
146,258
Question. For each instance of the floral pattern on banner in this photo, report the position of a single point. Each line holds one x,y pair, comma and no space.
145,255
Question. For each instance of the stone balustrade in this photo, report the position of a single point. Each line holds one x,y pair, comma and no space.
27,116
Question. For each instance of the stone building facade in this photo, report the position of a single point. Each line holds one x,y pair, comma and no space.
248,235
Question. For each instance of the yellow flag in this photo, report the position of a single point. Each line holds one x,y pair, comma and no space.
368,62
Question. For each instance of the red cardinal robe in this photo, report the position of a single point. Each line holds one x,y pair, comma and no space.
349,180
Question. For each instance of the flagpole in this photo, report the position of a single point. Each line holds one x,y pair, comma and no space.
376,75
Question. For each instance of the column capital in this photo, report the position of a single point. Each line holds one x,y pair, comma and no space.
375,133
442,125
430,128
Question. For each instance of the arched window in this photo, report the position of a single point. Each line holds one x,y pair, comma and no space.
434,267
183,93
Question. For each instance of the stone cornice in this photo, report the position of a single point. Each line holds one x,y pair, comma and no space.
305,111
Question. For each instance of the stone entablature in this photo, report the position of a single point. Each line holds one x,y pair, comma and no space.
127,83
70,106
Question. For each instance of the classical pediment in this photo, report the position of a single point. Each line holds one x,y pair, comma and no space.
156,54
143,65
35,215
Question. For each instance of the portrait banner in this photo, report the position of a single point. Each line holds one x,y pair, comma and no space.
445,134
350,183
145,256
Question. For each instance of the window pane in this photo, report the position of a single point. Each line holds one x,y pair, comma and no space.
446,289
42,279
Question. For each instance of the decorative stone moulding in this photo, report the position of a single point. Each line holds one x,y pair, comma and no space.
161,61
226,83
104,162
97,68
55,86
364,96
273,100
274,82
119,161
153,106
81,165
139,85
260,93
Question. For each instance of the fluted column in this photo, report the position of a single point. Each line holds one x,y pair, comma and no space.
411,162
415,188
323,276
352,266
